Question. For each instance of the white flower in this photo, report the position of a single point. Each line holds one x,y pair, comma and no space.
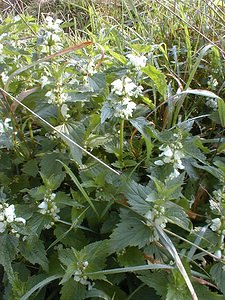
2,227
44,80
129,86
212,103
10,213
129,109
174,174
218,254
167,152
5,77
20,220
137,61
216,224
159,163
214,206
53,25
117,87
51,97
1,48
43,207
85,264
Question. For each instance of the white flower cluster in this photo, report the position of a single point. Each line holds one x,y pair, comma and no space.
137,61
49,36
217,226
156,216
57,96
172,154
1,48
48,207
212,83
78,275
4,126
8,217
217,204
125,88
212,103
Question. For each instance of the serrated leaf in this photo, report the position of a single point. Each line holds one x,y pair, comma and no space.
37,223
31,168
106,112
136,195
49,164
158,281
34,251
176,215
132,256
218,275
157,77
54,181
73,290
205,293
96,253
131,231
76,132
177,293
97,82
8,251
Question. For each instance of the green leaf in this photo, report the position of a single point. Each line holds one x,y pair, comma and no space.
205,293
204,93
54,181
37,223
73,290
131,256
97,82
118,56
176,215
49,164
158,281
106,112
131,231
136,195
34,251
142,48
30,168
94,254
221,111
8,251
218,275
95,293
76,132
157,77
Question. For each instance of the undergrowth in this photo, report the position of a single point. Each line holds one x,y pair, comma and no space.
112,145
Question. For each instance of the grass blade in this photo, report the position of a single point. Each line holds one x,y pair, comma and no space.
172,250
79,186
40,285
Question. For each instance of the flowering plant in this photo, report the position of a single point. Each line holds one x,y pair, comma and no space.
102,174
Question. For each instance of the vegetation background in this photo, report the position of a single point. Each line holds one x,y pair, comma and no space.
112,167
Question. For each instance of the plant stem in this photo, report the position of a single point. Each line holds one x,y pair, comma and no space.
121,139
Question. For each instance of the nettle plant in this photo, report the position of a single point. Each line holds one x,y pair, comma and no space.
112,184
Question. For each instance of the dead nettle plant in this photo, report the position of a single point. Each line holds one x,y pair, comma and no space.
111,167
